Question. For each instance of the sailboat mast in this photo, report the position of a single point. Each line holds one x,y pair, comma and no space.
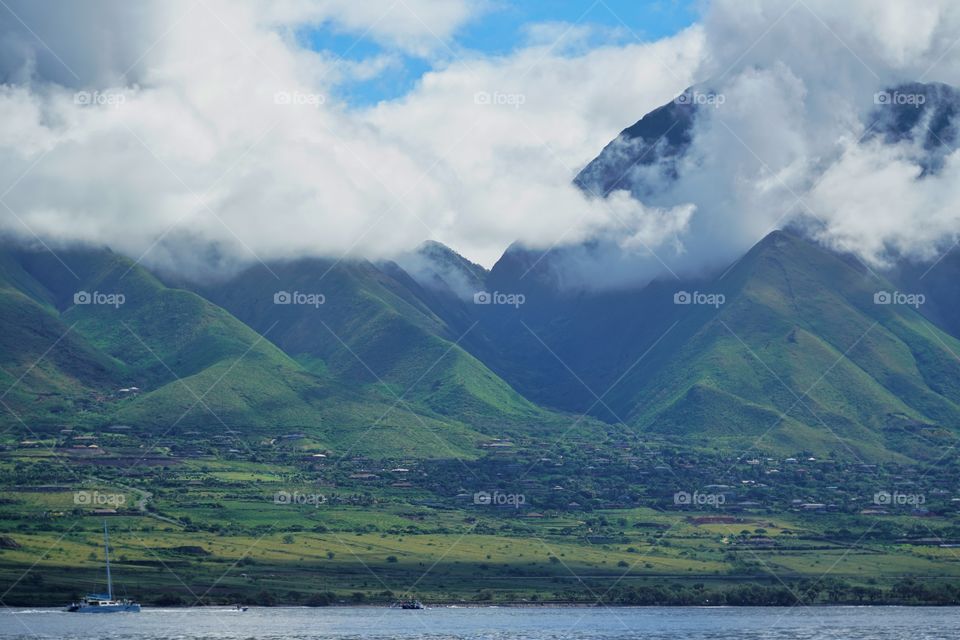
106,550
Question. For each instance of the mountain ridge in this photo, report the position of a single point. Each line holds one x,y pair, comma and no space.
787,344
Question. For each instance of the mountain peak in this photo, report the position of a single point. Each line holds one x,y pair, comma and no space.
439,251
436,266
661,136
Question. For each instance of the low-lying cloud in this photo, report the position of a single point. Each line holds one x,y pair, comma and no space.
795,105
227,131
202,135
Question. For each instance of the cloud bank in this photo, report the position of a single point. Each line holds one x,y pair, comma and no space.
794,99
807,85
212,124
203,135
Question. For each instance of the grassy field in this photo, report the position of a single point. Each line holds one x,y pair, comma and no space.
198,531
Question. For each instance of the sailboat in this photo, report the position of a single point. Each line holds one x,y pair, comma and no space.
104,602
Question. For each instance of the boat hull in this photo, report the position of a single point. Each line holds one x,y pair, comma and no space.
106,608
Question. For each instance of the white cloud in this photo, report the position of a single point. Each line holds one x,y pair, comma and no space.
198,146
790,139
799,81
511,133
874,203
185,143
415,26
110,41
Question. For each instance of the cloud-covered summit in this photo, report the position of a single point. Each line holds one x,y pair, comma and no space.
836,119
192,134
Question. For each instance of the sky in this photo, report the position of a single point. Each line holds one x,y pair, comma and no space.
499,29
204,135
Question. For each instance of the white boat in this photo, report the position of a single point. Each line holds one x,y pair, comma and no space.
104,602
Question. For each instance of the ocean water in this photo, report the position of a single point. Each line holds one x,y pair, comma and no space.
492,623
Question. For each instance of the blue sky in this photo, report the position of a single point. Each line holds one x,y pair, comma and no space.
501,29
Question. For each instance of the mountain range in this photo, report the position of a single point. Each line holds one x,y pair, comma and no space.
791,348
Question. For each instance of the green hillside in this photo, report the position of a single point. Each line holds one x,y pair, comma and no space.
195,368
50,373
798,358
801,354
373,331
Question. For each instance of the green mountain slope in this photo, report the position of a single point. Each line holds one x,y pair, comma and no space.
196,366
365,358
50,374
374,330
799,357
800,353
939,282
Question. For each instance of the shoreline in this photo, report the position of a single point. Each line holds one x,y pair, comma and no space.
507,605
